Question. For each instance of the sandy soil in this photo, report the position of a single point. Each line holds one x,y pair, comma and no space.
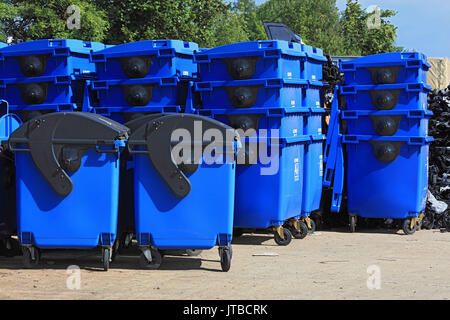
326,265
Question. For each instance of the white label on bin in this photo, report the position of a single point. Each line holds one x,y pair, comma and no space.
294,132
289,74
321,165
296,170
313,77
293,103
185,73
318,103
319,131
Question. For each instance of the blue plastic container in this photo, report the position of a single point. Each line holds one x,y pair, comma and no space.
386,68
140,95
312,122
386,97
146,59
61,93
387,123
50,57
58,197
313,175
269,194
79,220
288,121
387,177
260,59
262,93
197,216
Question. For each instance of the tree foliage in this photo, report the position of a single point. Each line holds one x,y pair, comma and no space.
210,23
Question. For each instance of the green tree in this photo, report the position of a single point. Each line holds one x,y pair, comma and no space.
40,19
254,27
189,20
316,21
362,40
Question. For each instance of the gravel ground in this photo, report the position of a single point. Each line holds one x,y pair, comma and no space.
326,265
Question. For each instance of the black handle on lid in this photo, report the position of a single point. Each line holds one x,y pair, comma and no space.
57,141
156,137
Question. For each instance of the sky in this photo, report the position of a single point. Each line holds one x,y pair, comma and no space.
423,25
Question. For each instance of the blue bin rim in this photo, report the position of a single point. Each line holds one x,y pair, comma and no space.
265,48
410,140
410,114
390,59
268,83
105,84
66,79
160,48
408,87
268,112
56,47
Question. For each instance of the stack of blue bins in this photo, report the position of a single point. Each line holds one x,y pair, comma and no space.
147,86
143,77
133,80
386,137
42,76
270,91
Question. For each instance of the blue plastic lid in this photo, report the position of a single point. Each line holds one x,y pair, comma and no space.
258,48
150,47
57,46
2,45
388,59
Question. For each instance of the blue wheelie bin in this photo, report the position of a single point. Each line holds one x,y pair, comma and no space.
67,178
187,202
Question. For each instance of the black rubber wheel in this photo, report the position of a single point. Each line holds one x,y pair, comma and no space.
225,258
28,262
287,237
151,265
115,249
193,252
302,233
237,233
105,258
10,247
313,226
352,222
407,227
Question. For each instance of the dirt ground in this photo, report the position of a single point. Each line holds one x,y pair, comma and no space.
326,265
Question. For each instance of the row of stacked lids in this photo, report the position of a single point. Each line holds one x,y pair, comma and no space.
46,75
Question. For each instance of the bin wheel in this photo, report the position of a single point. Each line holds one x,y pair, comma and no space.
106,256
407,227
115,249
302,233
313,226
225,258
352,220
28,261
154,264
287,237
193,252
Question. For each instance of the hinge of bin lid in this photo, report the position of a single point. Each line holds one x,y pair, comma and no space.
56,142
157,134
